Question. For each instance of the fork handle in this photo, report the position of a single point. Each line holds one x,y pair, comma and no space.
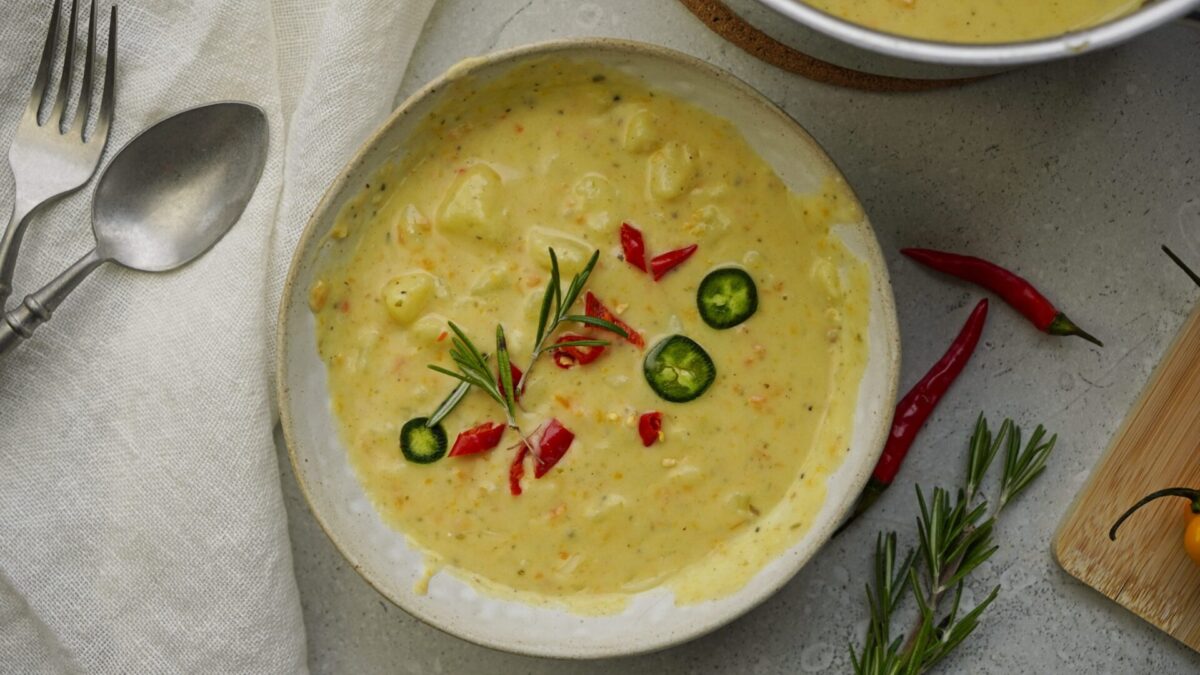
8,248
19,324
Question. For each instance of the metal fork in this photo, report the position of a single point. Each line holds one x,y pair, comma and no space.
47,161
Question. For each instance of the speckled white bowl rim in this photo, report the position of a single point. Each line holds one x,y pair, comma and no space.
651,621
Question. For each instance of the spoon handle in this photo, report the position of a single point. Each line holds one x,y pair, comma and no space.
19,324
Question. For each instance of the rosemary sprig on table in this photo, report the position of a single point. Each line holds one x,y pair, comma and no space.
954,539
472,365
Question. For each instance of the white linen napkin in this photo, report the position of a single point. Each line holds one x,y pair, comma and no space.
141,523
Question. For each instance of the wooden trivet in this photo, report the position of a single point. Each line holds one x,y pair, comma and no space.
726,23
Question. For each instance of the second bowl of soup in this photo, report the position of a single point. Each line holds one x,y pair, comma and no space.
933,39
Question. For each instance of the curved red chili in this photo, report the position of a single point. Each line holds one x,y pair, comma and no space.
596,309
919,402
916,406
477,439
556,440
571,356
650,427
1015,290
633,244
661,264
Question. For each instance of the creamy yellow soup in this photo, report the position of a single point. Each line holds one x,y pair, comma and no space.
557,155
977,21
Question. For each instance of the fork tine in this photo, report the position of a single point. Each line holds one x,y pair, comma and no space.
68,75
84,111
37,97
108,99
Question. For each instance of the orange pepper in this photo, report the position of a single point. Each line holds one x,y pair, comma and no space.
1191,533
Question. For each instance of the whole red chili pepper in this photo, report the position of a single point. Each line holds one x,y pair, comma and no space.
634,246
661,264
916,406
1013,289
555,441
477,439
596,309
571,356
517,470
650,427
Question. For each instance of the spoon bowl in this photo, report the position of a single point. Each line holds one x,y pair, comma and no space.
167,197
179,186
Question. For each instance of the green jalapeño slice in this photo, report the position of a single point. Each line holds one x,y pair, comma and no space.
727,297
420,443
678,369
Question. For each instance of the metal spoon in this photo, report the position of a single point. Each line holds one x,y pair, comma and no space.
167,197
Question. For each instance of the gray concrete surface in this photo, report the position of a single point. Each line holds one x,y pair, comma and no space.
1071,173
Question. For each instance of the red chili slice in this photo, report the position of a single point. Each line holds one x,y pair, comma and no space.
477,439
518,385
661,264
596,309
556,439
634,246
517,471
569,357
650,427
564,360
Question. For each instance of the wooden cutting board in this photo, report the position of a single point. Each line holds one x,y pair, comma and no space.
1146,569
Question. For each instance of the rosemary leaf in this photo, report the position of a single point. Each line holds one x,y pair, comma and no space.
451,373
578,283
555,284
599,323
952,616
505,366
963,628
544,312
854,662
451,401
574,343
1023,467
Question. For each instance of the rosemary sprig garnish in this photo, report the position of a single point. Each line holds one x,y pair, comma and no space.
561,302
555,310
473,369
954,539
